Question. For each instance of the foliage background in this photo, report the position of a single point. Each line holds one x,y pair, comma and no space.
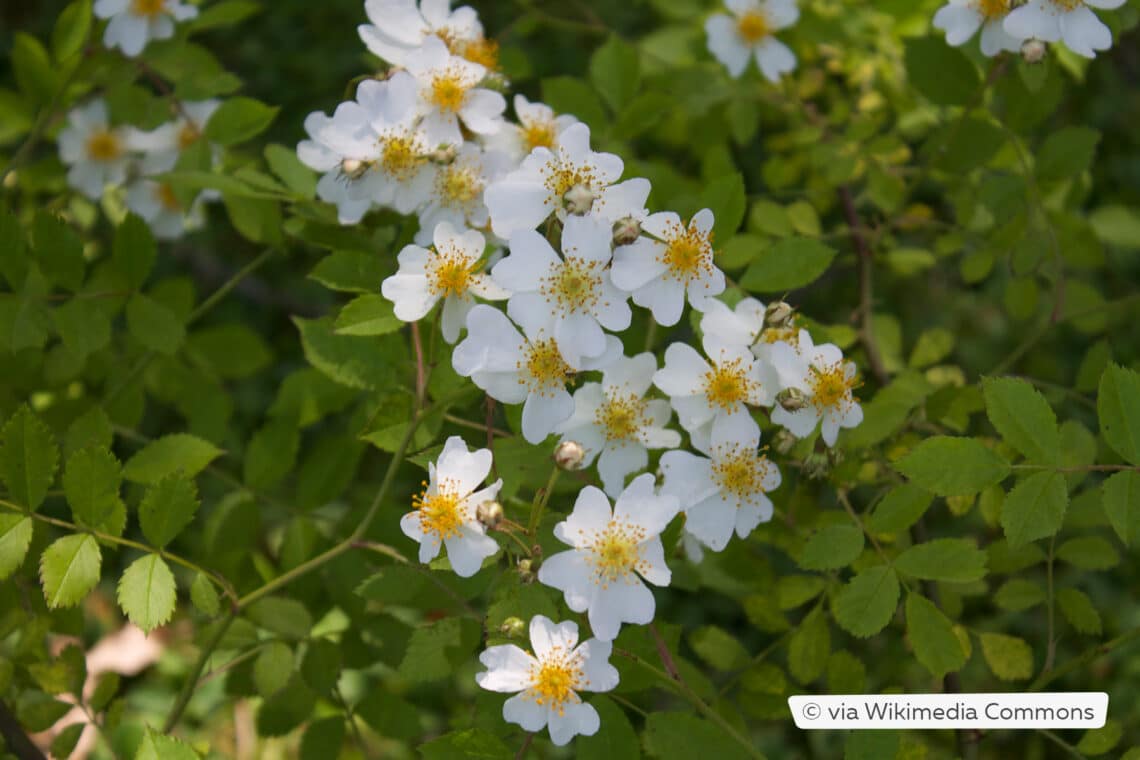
958,295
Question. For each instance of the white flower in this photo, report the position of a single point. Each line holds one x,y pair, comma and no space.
961,19
448,271
538,127
133,23
450,92
712,399
571,179
445,511
570,296
749,32
614,422
457,193
826,381
162,210
723,493
613,551
529,370
1069,20
163,146
371,150
676,262
399,27
550,679
740,327
98,154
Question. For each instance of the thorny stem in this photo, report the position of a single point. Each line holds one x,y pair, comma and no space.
866,287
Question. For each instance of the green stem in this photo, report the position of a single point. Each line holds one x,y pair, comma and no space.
196,673
1064,745
540,500
1089,655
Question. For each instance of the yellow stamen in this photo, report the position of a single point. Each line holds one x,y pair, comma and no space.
440,513
561,176
621,417
401,155
544,369
574,286
449,273
482,51
554,681
831,387
538,134
448,91
688,252
993,9
727,385
167,198
740,472
188,135
615,552
754,26
147,7
104,145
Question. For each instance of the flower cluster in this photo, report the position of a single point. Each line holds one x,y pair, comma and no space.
1017,25
539,254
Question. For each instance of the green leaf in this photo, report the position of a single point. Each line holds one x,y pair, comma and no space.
832,547
471,744
146,592
866,604
615,72
271,454
223,14
950,466
285,617
91,483
204,596
321,666
932,636
1009,657
59,250
1117,225
941,73
1099,741
90,429
899,509
82,326
28,458
871,745
683,736
154,325
1118,407
134,251
351,360
322,736
435,650
176,453
809,648
1035,508
64,742
718,648
570,95
932,346
1066,152
727,198
69,568
1018,595
1079,610
350,272
230,350
1122,505
618,740
35,74
15,538
273,668
167,508
787,265
367,315
239,119
954,560
13,248
67,37
156,746
1023,418
1088,553
297,177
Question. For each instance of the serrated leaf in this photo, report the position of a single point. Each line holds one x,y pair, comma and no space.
866,603
82,326
156,746
69,569
350,272
285,617
1118,407
1122,505
15,538
91,429
271,454
955,560
727,198
273,668
284,163
353,361
321,735
932,636
473,743
239,119
64,742
718,648
28,458
619,740
59,250
180,453
832,547
899,509
1088,553
434,650
1018,595
321,666
134,251
67,36
230,350
940,72
1035,508
167,508
154,325
1023,418
91,482
147,593
787,265
368,314
1079,610
950,466
1066,152
809,648
204,596
1009,657
683,736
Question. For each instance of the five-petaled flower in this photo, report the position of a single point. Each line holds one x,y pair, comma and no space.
134,23
750,32
826,382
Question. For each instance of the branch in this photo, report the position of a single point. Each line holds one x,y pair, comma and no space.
1086,657
866,286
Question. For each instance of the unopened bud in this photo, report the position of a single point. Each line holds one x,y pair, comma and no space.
1033,51
579,200
569,455
778,315
353,168
490,513
792,399
835,456
526,571
816,466
444,154
784,442
626,231
513,628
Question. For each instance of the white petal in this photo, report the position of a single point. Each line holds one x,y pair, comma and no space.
590,515
641,505
712,521
725,44
618,462
575,719
620,602
600,675
683,373
508,669
542,413
570,573
517,205
634,265
960,22
523,710
546,636
468,550
665,297
587,237
1084,33
483,111
1033,21
774,58
467,470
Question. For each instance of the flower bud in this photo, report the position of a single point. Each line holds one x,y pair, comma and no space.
792,399
626,231
444,154
579,200
569,455
353,168
526,571
1033,51
778,315
816,466
490,513
513,628
784,442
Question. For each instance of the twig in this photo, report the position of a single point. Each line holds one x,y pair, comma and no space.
1086,657
866,287
525,746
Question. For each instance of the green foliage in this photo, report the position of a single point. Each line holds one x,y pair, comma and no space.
69,568
146,592
953,466
866,604
28,458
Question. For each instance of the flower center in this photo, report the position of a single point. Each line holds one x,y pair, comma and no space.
621,417
400,155
728,385
789,335
992,9
448,91
563,176
614,553
147,7
1066,5
104,145
459,186
440,514
830,386
482,51
688,252
741,472
187,136
451,275
574,286
538,134
753,27
545,367
554,680
167,198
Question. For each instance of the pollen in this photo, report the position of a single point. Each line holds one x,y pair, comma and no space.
575,286
615,552
993,9
458,186
753,27
728,385
688,252
544,368
1065,5
167,199
482,51
538,133
401,155
831,387
147,7
104,145
448,91
621,417
440,510
554,681
741,472
450,273
561,176
789,335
